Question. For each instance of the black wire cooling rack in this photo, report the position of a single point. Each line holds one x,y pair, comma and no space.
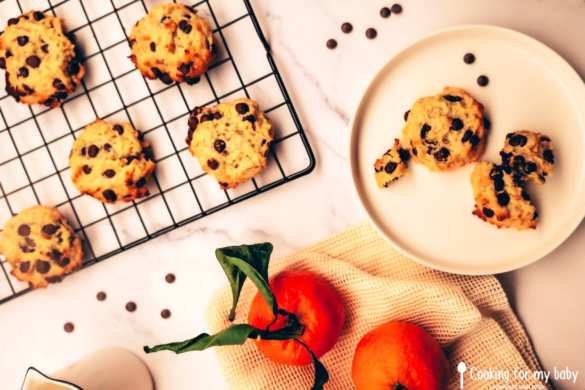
35,141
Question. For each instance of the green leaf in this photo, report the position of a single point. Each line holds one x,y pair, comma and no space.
240,262
233,335
321,374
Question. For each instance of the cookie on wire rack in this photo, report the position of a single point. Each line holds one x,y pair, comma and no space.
41,61
40,246
111,162
172,43
230,140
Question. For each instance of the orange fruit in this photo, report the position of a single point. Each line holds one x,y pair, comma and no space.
399,356
316,304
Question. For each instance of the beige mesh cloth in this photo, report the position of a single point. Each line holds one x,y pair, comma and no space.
469,315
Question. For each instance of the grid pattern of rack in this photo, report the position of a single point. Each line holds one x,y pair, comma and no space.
35,141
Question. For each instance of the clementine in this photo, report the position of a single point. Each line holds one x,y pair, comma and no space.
399,356
317,306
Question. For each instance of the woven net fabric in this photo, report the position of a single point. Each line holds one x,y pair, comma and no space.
469,315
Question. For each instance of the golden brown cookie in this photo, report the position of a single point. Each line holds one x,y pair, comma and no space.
172,43
40,246
111,162
230,140
392,165
40,59
500,198
529,154
446,131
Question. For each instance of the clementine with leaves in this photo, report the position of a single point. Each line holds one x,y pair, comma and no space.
316,305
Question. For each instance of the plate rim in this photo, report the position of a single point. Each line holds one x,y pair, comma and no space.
359,107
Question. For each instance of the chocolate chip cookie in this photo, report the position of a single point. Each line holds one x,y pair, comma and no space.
41,62
392,165
446,131
529,154
230,140
501,199
172,43
40,246
111,162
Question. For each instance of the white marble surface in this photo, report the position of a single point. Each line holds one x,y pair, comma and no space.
325,86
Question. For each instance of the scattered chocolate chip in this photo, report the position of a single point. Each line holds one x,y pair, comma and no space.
457,124
165,313
92,151
23,230
424,130
406,115
242,108
250,118
390,167
110,195
86,169
12,21
152,46
101,296
396,8
107,147
483,81
371,33
2,63
22,40
467,136
8,53
488,212
346,28
109,173
212,164
185,26
219,145
486,123
525,195
170,278
38,15
131,306
503,198
42,266
24,267
469,58
73,68
404,155
385,12
69,327
442,154
45,47
331,44
50,229
64,262
23,72
217,115
452,98
548,156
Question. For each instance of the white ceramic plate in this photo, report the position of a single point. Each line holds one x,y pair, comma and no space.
427,215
